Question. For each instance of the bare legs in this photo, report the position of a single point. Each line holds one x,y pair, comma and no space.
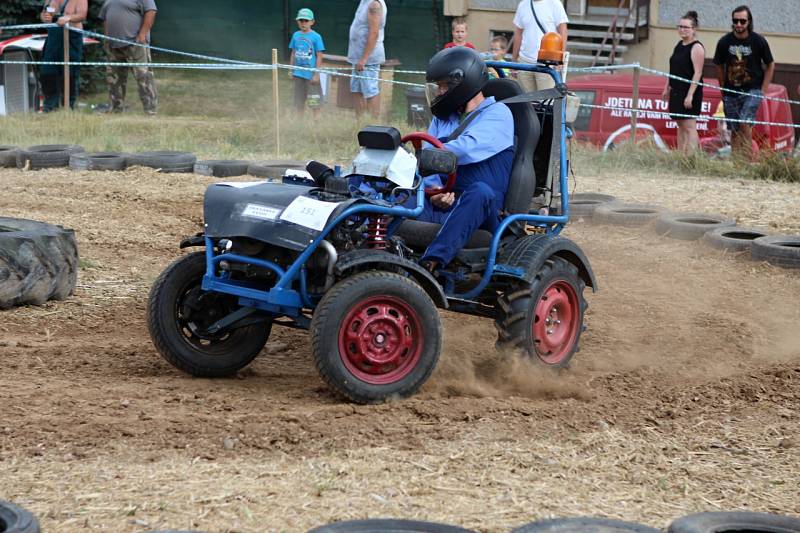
688,139
370,105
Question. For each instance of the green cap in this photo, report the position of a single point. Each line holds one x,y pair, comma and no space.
305,14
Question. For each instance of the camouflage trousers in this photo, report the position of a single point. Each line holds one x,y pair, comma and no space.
117,78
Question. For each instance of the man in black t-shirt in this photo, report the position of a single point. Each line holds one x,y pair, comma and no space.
744,64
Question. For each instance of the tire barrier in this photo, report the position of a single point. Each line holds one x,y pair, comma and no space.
164,160
733,239
46,156
8,155
38,262
274,168
582,525
629,215
778,250
735,521
98,161
388,525
15,519
690,226
584,204
221,168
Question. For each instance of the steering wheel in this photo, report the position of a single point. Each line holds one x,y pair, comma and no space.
416,138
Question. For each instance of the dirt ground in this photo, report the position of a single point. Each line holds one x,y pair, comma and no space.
685,396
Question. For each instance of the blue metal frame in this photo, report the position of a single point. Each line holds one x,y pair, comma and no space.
283,300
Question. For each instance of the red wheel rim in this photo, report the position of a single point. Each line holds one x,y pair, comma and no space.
556,322
380,340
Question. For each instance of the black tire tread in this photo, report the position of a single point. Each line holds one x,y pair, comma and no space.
159,332
274,168
164,160
388,525
98,161
15,519
38,262
683,226
46,156
328,308
584,204
778,250
510,325
221,168
722,239
618,214
8,155
582,525
710,522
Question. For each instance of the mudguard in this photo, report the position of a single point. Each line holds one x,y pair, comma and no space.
529,253
381,260
253,210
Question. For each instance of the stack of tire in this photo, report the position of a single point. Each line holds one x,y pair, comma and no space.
717,231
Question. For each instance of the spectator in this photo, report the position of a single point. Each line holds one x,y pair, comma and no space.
307,51
72,12
366,53
498,48
130,21
532,20
741,58
458,30
686,98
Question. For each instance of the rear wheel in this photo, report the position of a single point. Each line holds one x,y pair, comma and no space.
544,318
376,335
179,314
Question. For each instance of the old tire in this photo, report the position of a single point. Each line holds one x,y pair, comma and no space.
221,168
98,161
388,525
544,319
690,226
583,525
376,335
8,155
164,160
732,239
38,262
15,519
629,215
178,312
46,156
584,204
274,168
735,521
778,250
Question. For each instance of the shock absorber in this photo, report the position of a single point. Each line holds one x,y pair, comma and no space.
376,232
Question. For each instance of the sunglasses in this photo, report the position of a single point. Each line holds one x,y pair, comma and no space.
743,22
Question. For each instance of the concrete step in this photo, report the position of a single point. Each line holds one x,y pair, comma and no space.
580,45
597,34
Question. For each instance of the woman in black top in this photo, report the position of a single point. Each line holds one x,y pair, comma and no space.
686,98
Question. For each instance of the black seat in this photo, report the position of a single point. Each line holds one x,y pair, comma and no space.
522,182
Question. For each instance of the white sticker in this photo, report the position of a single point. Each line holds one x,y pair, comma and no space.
260,211
240,184
308,212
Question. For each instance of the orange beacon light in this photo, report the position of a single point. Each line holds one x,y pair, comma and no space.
551,49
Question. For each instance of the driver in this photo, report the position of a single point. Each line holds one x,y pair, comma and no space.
484,150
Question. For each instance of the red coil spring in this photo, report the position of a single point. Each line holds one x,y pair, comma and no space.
376,233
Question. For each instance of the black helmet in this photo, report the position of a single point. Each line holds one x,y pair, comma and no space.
465,73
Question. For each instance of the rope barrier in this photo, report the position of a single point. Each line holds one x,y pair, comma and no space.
702,118
203,66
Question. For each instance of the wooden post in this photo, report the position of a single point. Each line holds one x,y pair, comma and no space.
635,106
277,101
66,66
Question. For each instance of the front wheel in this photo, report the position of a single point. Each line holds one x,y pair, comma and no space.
544,318
376,335
179,314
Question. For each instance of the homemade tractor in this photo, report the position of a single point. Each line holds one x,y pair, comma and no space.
339,257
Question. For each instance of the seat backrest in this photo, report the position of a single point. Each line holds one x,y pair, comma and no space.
522,182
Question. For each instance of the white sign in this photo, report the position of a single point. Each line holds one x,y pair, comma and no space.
2,100
307,212
261,211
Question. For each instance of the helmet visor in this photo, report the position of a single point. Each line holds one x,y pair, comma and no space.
437,89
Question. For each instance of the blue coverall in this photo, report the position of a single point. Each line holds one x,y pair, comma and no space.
485,155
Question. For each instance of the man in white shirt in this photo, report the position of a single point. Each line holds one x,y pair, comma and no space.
532,20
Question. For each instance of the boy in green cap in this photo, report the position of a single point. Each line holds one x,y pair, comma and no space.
307,48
